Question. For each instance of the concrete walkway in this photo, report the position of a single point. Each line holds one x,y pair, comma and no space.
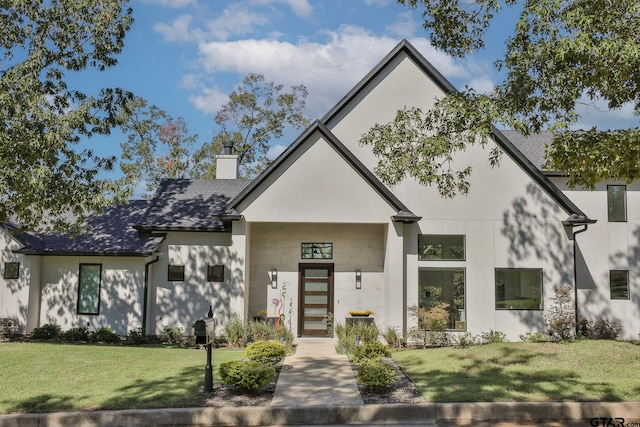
316,376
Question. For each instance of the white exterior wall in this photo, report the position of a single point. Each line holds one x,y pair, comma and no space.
608,246
180,304
14,293
121,293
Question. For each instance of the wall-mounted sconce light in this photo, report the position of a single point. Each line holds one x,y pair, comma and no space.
358,279
274,279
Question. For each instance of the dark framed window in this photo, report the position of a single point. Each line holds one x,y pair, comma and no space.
441,247
317,251
215,273
89,281
617,203
11,270
619,284
176,273
518,289
438,286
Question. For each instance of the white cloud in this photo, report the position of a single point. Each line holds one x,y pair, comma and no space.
328,69
301,8
405,26
379,3
210,100
234,20
596,113
172,3
275,151
177,31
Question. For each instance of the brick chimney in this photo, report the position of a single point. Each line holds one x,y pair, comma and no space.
227,162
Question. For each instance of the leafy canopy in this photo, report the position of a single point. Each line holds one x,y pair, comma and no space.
561,54
43,174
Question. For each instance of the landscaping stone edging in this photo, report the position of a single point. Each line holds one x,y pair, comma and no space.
422,414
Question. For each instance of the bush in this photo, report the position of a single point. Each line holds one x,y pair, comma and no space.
103,335
138,335
373,350
76,334
174,334
375,374
493,337
391,337
466,339
534,337
266,352
246,376
285,336
347,335
9,327
48,331
235,331
260,330
601,329
560,319
432,324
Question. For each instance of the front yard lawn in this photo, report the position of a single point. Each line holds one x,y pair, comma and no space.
46,377
578,371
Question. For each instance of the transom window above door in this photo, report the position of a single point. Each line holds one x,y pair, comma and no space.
317,251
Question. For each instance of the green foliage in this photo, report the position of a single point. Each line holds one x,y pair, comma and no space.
76,334
347,334
375,374
48,331
600,328
104,334
9,327
256,115
372,350
432,324
266,352
285,336
558,56
466,339
260,330
235,331
173,333
560,317
493,337
138,335
391,337
248,376
43,117
534,337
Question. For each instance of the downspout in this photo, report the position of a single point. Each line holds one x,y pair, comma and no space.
146,292
575,275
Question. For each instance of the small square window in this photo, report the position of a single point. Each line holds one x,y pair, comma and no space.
619,284
11,270
215,273
441,247
176,273
617,203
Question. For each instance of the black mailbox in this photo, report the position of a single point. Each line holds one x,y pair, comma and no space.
204,330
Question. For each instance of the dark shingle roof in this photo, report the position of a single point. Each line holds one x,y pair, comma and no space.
532,146
111,234
190,204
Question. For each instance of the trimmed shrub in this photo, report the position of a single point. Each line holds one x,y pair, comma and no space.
48,331
9,327
138,335
174,334
373,350
375,374
104,334
266,352
76,334
246,376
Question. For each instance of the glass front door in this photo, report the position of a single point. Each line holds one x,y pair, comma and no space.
316,300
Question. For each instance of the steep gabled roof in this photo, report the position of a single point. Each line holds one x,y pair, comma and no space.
111,234
190,204
404,47
403,213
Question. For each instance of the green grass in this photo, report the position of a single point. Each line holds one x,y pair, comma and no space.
578,371
38,377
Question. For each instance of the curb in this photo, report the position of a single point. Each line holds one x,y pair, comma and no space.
421,414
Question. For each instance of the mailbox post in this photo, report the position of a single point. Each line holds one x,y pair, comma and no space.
204,330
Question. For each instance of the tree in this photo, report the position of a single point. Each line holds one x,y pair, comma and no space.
257,113
158,146
43,119
561,54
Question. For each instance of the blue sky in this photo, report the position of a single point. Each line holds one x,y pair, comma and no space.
185,56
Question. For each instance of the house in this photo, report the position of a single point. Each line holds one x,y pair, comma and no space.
318,233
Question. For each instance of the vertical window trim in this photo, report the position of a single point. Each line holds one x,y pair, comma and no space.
97,311
628,297
169,277
609,204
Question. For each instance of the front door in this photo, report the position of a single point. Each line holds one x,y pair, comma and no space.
316,299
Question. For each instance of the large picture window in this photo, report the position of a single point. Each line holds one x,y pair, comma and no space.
89,280
441,247
619,283
518,288
443,286
617,203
